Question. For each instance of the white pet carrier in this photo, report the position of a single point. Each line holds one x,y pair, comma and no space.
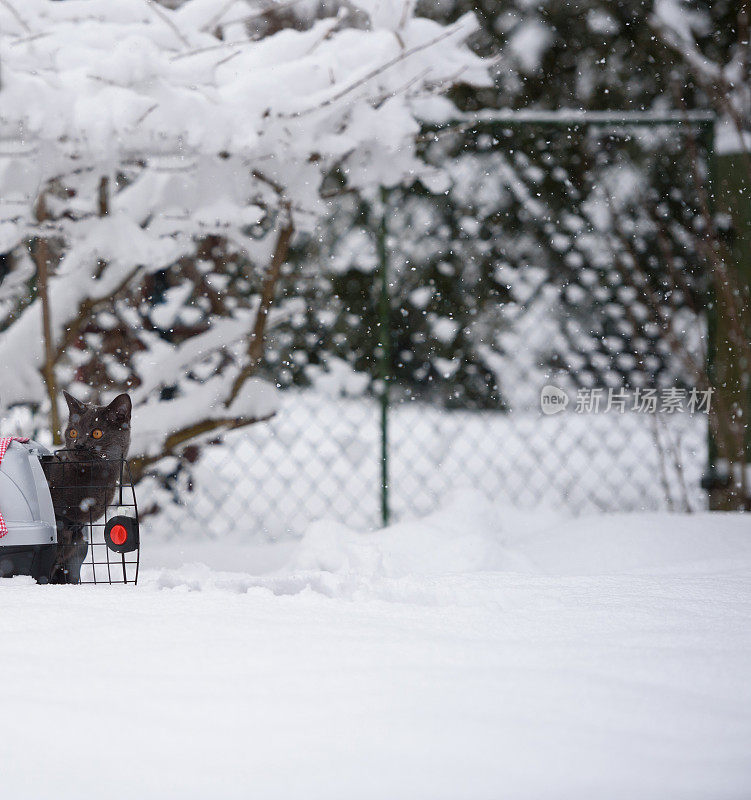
107,549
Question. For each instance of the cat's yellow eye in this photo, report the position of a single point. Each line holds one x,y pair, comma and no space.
73,433
97,433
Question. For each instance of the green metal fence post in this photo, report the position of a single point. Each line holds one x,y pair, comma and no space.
384,331
712,482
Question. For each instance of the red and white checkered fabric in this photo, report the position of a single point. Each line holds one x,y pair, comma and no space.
4,443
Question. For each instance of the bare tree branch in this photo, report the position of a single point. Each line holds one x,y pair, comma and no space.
181,438
256,342
42,258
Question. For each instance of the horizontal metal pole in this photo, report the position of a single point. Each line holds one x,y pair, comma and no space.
577,119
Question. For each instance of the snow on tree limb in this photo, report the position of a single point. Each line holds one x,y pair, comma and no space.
150,136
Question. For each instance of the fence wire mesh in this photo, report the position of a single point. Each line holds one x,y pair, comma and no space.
320,458
559,256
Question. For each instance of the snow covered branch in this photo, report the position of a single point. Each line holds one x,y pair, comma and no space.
178,151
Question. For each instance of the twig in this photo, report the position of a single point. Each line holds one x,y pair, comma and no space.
42,257
259,176
73,328
32,38
675,451
677,276
227,58
167,21
182,437
403,56
146,113
661,462
215,19
17,16
403,88
256,343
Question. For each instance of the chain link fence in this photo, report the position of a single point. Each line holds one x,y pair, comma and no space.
562,257
320,457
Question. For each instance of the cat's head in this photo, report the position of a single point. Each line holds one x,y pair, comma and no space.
100,430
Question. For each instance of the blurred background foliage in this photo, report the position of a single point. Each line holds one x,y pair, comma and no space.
536,207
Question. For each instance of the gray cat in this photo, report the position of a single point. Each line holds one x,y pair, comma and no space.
84,475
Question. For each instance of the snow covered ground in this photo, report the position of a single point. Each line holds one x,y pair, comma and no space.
477,653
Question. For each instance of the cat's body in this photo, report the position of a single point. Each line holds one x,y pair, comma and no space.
84,475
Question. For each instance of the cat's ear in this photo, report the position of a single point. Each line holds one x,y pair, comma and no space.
120,408
74,406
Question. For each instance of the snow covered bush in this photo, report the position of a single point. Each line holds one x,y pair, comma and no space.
154,167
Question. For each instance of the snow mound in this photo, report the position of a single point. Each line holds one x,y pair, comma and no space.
468,536
465,536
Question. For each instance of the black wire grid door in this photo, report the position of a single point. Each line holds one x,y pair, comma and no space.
97,518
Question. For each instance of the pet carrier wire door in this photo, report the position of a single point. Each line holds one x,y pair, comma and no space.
97,518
